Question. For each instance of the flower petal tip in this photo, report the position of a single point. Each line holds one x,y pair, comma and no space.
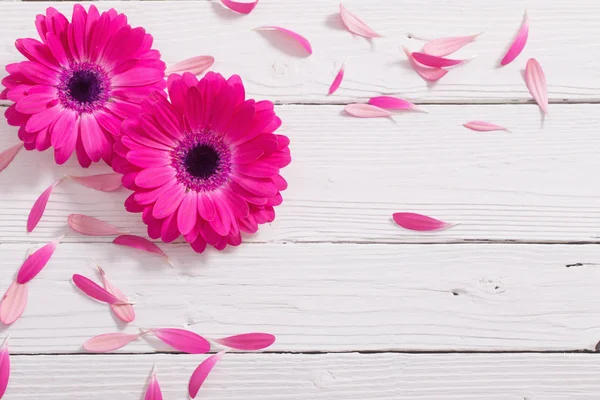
356,25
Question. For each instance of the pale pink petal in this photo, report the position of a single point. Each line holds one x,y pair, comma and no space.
94,290
124,312
13,303
153,391
109,342
103,182
518,43
140,243
240,7
444,46
338,80
419,222
483,126
366,111
36,262
355,24
91,226
8,155
391,103
194,65
182,340
4,367
427,73
536,83
248,341
435,61
201,373
39,207
296,36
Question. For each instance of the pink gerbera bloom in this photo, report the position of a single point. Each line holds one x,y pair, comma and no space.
80,82
204,165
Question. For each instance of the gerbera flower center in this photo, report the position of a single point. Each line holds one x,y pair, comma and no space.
84,87
202,161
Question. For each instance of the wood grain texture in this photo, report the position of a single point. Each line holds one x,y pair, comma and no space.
349,175
324,297
275,68
315,377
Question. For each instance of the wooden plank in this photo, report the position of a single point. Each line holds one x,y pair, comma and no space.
318,377
349,175
272,67
324,297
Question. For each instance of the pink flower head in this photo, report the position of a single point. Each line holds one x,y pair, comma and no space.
80,82
205,164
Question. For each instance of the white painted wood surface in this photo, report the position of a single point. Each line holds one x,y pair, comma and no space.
333,275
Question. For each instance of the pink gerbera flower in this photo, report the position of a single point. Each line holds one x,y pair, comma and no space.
204,165
80,82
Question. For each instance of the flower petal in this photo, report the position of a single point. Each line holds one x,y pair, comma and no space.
38,208
188,213
248,341
4,367
151,178
201,373
366,111
124,312
109,342
237,6
296,36
8,155
153,391
536,83
140,243
93,290
168,202
182,340
483,126
195,65
36,262
355,24
337,80
91,226
13,303
64,128
443,46
91,136
435,61
427,73
103,182
419,222
391,103
518,43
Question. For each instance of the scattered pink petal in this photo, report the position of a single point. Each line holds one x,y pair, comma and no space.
419,222
36,262
103,182
366,111
444,46
518,43
240,7
195,65
427,73
13,303
482,126
39,207
536,83
355,24
94,290
338,79
201,373
91,226
153,391
109,342
4,367
434,61
140,243
296,36
248,341
391,103
124,312
8,155
182,340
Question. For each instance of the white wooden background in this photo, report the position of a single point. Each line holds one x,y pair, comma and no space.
505,306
